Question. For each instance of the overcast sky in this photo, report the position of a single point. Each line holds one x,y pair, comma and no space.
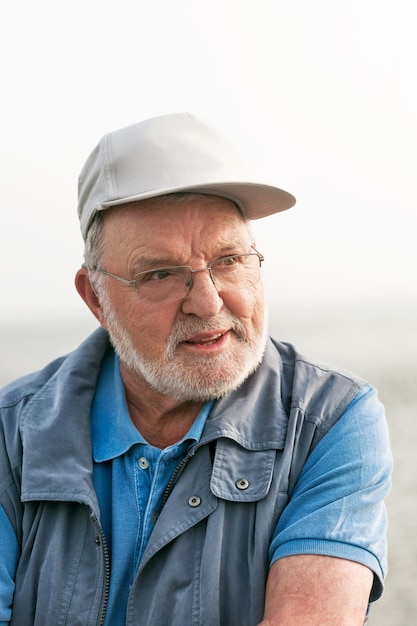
322,95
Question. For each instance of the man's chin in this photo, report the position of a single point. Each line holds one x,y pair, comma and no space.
204,378
192,375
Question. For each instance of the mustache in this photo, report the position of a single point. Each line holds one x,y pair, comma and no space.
186,328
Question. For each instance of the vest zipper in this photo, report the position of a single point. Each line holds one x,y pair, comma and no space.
101,539
178,470
174,477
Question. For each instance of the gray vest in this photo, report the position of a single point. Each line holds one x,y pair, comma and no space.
207,560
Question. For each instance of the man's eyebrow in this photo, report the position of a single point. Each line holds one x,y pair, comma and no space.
234,247
151,262
224,248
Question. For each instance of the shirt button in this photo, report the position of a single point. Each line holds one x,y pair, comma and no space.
143,463
194,501
242,484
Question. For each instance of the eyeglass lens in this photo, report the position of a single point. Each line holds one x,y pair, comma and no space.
236,272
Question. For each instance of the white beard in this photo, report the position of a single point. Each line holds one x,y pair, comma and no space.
190,378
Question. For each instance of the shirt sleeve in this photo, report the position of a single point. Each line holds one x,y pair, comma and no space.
9,554
337,507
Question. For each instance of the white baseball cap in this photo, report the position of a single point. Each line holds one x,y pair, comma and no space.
168,154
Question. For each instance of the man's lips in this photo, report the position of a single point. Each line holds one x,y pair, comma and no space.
206,339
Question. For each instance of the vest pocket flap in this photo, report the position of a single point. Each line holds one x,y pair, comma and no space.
239,474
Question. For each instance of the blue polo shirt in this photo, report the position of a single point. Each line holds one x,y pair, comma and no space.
130,477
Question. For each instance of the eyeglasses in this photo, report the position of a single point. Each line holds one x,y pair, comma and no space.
236,271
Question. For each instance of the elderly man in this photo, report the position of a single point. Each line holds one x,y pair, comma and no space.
180,467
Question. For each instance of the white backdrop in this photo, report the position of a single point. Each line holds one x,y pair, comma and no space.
322,95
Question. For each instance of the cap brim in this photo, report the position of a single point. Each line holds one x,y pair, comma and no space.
254,200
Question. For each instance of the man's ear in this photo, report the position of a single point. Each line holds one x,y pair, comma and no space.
87,293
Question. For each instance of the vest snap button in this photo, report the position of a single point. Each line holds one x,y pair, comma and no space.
194,501
242,484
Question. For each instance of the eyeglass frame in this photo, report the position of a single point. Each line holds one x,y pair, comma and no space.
133,281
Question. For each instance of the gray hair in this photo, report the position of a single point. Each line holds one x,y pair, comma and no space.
94,249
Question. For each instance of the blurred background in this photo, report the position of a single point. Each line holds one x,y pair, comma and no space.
321,96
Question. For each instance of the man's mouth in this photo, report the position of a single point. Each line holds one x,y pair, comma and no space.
206,340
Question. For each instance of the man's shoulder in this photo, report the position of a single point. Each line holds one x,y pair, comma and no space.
320,391
23,388
308,373
26,386
292,358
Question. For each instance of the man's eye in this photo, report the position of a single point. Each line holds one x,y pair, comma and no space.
227,261
158,275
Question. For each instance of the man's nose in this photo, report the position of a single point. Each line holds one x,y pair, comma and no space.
202,298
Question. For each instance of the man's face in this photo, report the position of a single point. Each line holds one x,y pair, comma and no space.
203,344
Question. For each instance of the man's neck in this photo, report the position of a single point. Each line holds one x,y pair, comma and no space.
161,420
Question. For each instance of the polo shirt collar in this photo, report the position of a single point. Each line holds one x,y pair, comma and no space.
113,432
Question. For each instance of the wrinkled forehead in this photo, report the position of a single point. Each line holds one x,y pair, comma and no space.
175,222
